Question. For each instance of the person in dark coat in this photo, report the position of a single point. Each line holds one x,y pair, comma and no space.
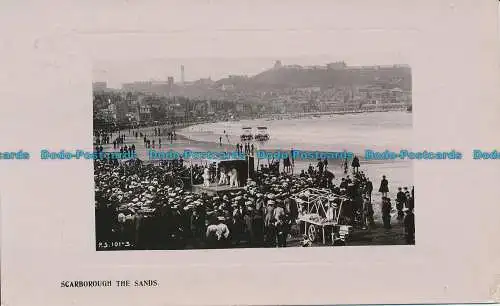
400,203
248,219
386,212
329,178
343,183
286,164
197,224
355,164
281,232
292,210
409,223
238,225
271,234
320,166
369,189
384,186
368,208
258,226
410,203
105,222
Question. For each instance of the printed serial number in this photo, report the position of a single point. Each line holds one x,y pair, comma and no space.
113,244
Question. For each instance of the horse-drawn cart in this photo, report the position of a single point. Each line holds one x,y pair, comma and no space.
320,213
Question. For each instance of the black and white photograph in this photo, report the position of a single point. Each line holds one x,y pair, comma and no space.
251,153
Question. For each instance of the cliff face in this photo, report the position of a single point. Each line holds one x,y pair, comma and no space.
285,77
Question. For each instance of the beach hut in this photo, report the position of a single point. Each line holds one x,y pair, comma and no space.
262,134
246,134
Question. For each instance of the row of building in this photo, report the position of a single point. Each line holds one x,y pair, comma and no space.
363,95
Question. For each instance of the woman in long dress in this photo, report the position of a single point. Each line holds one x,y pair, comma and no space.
384,186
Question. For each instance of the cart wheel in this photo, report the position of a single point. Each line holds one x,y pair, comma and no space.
311,233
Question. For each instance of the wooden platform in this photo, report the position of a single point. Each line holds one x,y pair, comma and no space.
213,189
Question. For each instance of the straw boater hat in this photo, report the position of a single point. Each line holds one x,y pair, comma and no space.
121,217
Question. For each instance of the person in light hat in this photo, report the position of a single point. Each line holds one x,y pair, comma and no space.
269,213
259,203
223,233
125,229
212,238
122,218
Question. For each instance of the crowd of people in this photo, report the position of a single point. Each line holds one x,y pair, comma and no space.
135,203
138,203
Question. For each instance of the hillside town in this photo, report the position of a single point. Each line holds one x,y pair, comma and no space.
280,91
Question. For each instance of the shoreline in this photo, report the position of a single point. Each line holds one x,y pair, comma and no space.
361,155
